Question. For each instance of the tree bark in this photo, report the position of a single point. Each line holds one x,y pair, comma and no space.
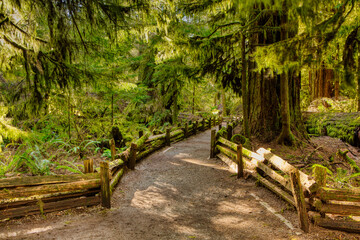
244,89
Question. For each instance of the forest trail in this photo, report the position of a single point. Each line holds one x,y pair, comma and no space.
176,193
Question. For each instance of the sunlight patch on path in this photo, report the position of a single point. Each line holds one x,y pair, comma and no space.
25,232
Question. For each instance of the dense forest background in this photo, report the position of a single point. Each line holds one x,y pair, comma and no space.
71,70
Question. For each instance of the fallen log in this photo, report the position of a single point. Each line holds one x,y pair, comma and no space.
350,161
46,189
41,207
41,180
344,126
346,225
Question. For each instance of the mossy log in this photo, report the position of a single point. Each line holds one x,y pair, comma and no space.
279,163
40,207
124,156
41,180
45,189
246,152
50,197
115,179
176,133
344,126
351,195
155,138
338,208
346,225
141,141
350,161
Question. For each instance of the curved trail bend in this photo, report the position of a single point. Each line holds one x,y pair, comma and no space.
176,193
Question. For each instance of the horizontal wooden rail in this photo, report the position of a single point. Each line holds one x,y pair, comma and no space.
42,180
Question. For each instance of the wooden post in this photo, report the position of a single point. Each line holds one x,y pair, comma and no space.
105,184
167,137
229,131
132,156
240,162
88,166
195,127
214,121
112,149
141,133
298,193
212,144
320,176
186,130
209,123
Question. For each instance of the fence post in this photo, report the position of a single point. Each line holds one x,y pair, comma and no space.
209,123
132,156
186,130
112,149
105,184
229,131
320,176
298,193
212,144
167,137
240,162
88,166
141,133
214,121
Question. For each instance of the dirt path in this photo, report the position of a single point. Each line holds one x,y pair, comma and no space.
176,193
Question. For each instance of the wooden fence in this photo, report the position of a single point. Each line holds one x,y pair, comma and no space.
312,199
23,196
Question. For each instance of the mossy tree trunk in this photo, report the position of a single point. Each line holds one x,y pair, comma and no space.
273,113
358,86
244,89
223,101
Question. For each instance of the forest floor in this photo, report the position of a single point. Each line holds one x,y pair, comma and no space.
176,193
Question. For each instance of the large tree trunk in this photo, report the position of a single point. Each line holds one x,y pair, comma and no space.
244,89
223,100
273,111
358,87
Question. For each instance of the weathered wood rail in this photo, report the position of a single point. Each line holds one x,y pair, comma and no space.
326,207
22,196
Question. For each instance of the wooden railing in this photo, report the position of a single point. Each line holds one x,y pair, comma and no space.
311,197
23,196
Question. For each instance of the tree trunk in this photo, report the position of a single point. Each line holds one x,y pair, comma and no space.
193,103
244,87
223,101
358,88
285,135
272,111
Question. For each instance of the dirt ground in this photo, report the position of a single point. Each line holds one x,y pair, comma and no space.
176,193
